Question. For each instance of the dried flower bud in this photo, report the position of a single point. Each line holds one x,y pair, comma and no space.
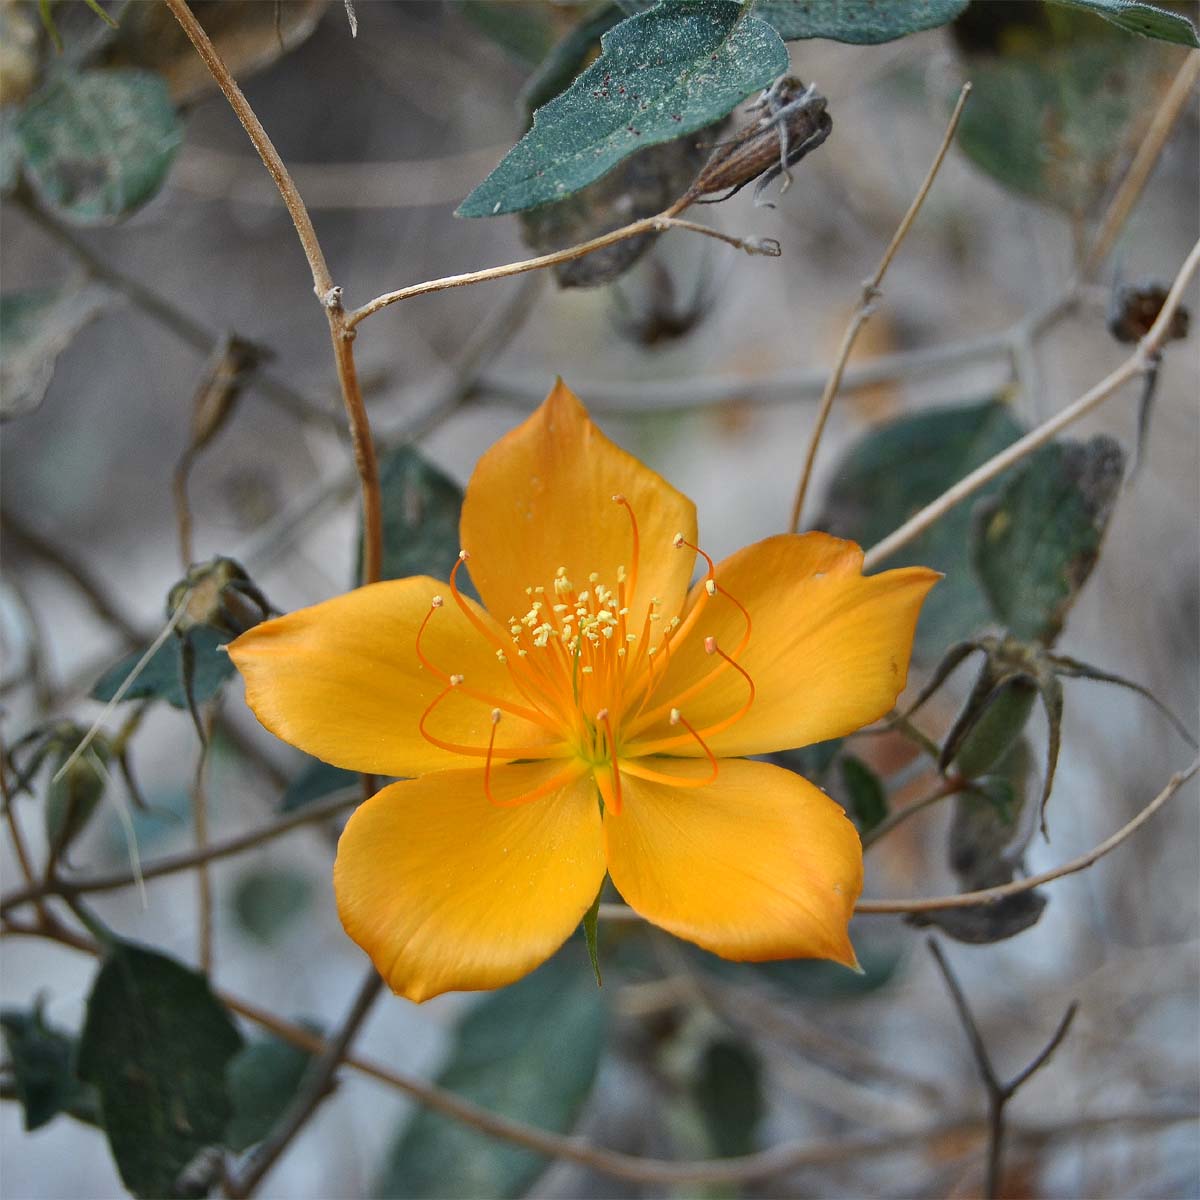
221,596
1135,308
794,122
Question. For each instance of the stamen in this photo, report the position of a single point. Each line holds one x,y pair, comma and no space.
631,590
677,718
549,750
487,765
572,772
618,801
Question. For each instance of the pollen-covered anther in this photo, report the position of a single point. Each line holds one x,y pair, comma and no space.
496,714
710,645
436,602
675,717
710,586
678,541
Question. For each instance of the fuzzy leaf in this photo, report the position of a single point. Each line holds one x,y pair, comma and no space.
156,1044
865,793
529,1052
897,468
662,74
35,328
421,507
262,1079
728,1090
1036,542
42,1061
98,144
861,22
1146,19
162,677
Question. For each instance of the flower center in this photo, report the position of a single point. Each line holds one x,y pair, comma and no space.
589,675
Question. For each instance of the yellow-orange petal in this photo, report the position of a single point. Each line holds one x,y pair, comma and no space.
448,892
542,498
342,680
758,865
828,652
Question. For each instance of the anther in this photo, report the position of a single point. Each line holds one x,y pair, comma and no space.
455,680
463,556
710,586
675,717
710,645
496,714
436,602
678,541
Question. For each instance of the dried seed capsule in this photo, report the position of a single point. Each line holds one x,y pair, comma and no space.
794,122
1135,307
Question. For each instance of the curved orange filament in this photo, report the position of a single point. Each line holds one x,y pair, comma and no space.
618,800
669,743
536,716
636,769
487,764
573,772
637,546
546,751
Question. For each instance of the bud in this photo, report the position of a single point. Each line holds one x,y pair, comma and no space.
73,796
1135,307
794,122
220,596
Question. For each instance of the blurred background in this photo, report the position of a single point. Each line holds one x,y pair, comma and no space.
708,365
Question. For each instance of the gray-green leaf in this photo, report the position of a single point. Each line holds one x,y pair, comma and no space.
156,1044
262,1079
98,144
662,74
529,1052
42,1061
1035,543
862,22
864,792
1145,19
35,328
162,679
898,468
421,507
269,899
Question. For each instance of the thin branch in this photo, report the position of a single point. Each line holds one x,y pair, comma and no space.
866,306
778,1160
949,787
449,395
75,571
622,914
998,1093
656,224
174,319
340,331
1137,364
199,806
24,861
172,864
1148,151
989,895
315,1088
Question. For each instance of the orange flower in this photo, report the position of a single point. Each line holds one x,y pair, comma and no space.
588,718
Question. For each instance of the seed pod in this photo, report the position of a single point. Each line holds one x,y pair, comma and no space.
222,597
1135,307
72,800
794,122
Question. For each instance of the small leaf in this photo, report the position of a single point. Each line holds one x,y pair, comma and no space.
591,935
662,74
156,1044
861,22
1035,543
523,30
558,68
991,721
316,781
813,762
728,1090
984,924
35,328
268,900
814,979
529,1052
865,793
1056,113
1050,690
897,468
1145,19
72,799
42,1061
262,1080
162,678
421,507
1072,668
99,144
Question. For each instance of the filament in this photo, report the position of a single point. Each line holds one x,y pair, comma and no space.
618,800
551,785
